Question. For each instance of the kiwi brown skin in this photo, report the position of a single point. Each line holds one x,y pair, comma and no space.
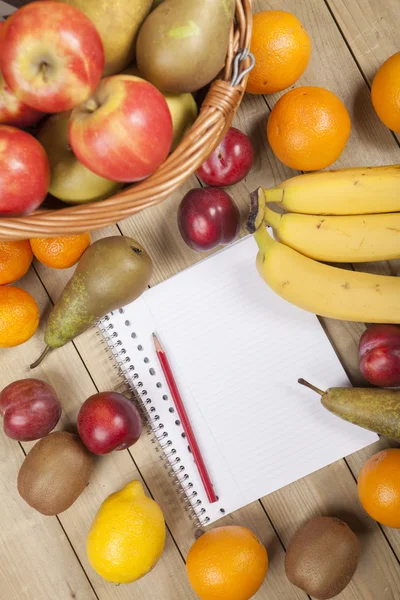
54,473
322,557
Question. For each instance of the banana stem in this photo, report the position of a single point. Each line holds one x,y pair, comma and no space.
272,218
274,195
41,357
312,387
263,239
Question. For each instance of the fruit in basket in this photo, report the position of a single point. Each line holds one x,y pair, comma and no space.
51,56
124,131
108,421
230,162
19,316
385,92
12,110
118,25
322,557
374,409
127,536
60,252
342,239
207,218
282,49
30,409
308,128
15,260
182,45
358,191
24,172
319,288
380,355
111,273
70,180
183,109
54,473
379,487
227,562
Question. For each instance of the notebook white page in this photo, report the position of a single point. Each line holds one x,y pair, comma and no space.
236,350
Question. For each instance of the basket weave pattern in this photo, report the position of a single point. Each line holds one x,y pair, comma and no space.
216,115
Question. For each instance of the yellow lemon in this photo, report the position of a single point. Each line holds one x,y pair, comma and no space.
127,536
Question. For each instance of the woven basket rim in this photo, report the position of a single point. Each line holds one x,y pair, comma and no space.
216,116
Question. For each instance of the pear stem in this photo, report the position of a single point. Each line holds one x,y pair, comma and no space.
312,387
41,357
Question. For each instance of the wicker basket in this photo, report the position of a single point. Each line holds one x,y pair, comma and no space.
216,115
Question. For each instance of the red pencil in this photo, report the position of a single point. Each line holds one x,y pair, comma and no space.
187,428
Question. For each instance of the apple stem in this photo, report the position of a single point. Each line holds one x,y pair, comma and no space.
312,387
41,357
91,105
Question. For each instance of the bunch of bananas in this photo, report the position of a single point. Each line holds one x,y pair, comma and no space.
333,216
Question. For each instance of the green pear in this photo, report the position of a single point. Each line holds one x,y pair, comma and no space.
118,23
70,180
111,273
184,111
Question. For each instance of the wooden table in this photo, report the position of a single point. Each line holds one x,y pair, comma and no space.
43,558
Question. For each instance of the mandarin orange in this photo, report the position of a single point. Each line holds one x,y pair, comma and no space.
60,252
308,128
15,260
282,49
379,487
19,316
385,93
227,562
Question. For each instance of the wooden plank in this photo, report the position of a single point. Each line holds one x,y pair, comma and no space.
65,371
370,28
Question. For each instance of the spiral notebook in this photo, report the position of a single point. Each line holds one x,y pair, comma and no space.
236,350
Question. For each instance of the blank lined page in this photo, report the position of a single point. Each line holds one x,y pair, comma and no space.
237,351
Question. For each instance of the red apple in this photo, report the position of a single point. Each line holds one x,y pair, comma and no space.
124,131
52,56
380,355
207,218
230,162
13,111
24,172
31,409
108,421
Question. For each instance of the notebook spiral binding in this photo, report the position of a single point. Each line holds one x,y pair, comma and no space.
126,372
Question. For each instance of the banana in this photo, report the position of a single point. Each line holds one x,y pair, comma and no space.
352,238
324,290
364,190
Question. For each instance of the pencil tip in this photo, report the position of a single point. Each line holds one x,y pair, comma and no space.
157,344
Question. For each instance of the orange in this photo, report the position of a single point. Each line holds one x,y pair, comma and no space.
282,49
15,260
60,252
379,487
19,316
385,92
227,562
308,128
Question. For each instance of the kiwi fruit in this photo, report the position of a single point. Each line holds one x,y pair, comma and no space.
54,473
322,557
